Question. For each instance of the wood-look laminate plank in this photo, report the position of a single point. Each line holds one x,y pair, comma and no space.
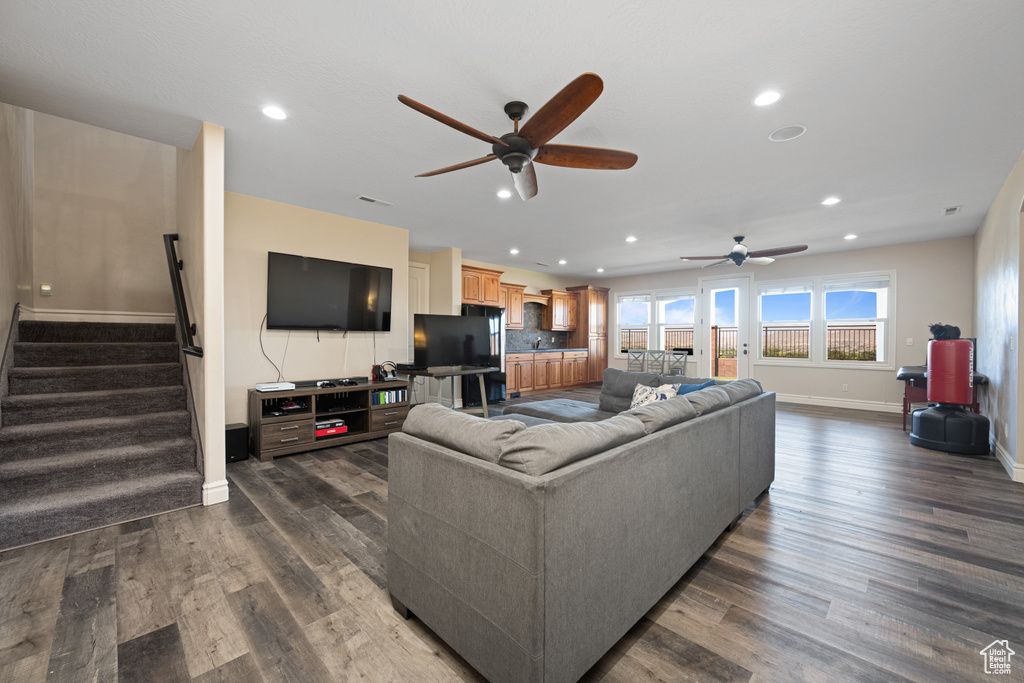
232,560
143,603
32,581
156,657
239,670
85,637
92,549
280,648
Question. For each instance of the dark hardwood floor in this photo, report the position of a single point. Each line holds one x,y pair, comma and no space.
870,560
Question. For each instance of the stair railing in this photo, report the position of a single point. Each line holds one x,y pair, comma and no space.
187,329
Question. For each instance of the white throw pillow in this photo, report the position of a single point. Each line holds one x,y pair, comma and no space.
643,396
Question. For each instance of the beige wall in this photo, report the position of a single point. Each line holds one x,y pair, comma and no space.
200,228
16,211
255,226
102,202
445,279
534,280
934,283
997,316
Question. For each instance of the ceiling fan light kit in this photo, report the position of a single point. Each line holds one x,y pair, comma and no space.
519,149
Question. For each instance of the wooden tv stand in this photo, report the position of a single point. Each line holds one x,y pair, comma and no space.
363,407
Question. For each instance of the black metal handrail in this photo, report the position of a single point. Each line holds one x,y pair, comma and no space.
187,329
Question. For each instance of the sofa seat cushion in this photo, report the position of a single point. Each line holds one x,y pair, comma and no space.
462,432
618,385
709,400
560,410
742,389
662,414
543,448
528,420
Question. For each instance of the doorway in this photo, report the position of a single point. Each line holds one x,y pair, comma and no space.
725,327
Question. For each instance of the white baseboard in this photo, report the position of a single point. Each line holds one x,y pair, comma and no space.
215,492
77,316
1009,463
852,404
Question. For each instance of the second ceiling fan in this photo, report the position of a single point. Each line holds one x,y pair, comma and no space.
740,254
519,149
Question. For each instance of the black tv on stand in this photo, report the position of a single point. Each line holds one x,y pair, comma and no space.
450,340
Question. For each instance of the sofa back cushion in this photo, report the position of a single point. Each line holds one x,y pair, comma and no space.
709,400
683,379
465,433
618,385
543,448
742,389
662,414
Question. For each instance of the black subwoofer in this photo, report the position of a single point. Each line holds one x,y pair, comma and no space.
237,442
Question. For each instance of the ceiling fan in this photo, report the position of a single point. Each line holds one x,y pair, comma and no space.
520,148
740,254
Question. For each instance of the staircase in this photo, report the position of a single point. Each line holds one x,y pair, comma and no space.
94,431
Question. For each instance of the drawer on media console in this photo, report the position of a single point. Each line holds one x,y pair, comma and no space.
282,434
388,418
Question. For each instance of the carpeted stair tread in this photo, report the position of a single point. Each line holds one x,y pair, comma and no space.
83,468
54,514
52,438
30,354
74,378
83,332
38,408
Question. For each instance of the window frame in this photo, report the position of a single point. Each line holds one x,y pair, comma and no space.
803,285
654,324
819,325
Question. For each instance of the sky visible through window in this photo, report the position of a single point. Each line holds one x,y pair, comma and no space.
725,308
634,312
677,312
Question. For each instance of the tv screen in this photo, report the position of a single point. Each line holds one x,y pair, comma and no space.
443,340
306,293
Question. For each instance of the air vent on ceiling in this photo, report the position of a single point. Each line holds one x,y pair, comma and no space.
951,210
546,265
787,133
371,200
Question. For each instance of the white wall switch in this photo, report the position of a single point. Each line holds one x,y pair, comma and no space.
910,341
846,387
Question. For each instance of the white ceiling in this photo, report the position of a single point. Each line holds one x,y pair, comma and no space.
910,107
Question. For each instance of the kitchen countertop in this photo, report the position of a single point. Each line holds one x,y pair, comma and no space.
541,350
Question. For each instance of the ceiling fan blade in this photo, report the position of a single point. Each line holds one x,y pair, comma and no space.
711,265
456,167
702,258
526,182
778,251
562,109
574,156
449,121
760,260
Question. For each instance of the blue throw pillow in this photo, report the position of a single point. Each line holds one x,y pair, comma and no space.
687,388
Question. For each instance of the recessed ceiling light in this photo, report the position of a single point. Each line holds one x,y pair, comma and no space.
830,201
513,251
562,261
787,133
275,112
767,97
631,239
504,194
600,270
850,237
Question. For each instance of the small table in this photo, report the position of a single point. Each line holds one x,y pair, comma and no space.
440,373
916,388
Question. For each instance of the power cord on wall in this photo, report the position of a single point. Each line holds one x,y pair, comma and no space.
265,352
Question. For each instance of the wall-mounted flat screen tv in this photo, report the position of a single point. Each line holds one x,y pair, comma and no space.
306,293
442,340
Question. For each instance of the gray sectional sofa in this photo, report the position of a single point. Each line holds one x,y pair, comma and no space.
532,542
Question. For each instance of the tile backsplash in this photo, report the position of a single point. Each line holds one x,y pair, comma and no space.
526,338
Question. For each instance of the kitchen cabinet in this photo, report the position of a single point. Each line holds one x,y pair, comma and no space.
562,314
592,328
480,286
511,299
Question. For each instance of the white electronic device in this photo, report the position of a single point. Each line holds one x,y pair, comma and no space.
276,386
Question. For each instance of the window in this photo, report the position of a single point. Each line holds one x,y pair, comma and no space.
655,321
634,321
784,315
675,322
856,318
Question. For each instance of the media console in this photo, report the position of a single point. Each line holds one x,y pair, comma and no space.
285,422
